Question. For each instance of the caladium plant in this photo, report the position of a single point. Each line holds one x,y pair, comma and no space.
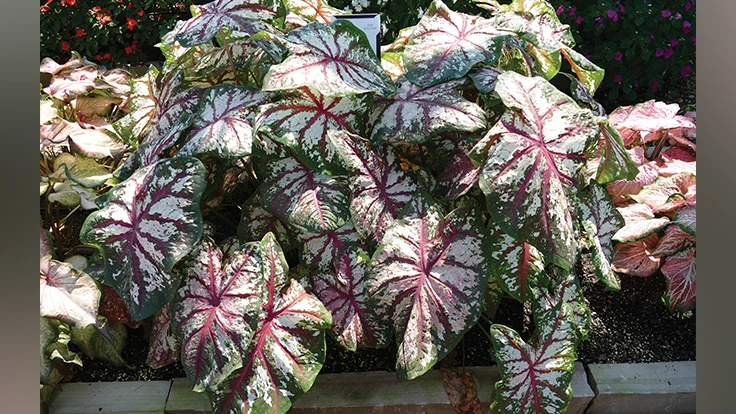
408,195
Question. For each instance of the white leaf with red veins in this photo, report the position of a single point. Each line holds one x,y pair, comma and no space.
428,278
216,311
148,223
536,378
68,294
674,240
334,59
308,200
446,44
637,258
164,347
415,114
320,250
640,222
242,17
288,349
302,118
223,126
342,292
516,265
379,186
679,270
459,175
534,155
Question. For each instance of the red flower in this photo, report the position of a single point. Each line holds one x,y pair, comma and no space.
106,56
98,56
80,33
69,2
131,23
140,12
130,5
96,9
65,46
618,56
44,9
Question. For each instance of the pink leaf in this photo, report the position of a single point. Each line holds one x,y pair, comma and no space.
637,258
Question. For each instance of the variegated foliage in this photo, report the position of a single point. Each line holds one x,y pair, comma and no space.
334,59
427,279
532,156
287,350
446,44
536,378
147,224
380,188
216,311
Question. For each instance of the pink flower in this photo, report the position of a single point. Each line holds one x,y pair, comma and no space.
617,79
686,27
618,56
620,7
668,53
666,13
655,86
636,84
572,11
674,42
652,36
659,53
612,15
560,9
579,20
693,39
685,70
678,16
688,6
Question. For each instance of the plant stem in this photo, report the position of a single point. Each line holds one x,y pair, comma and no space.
230,57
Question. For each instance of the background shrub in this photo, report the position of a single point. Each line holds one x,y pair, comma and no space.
644,45
112,32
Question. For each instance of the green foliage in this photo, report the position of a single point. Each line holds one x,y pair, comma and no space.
112,32
643,45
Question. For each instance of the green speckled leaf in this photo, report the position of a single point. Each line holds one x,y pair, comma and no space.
415,114
288,349
147,224
446,44
334,59
534,153
536,378
427,278
516,265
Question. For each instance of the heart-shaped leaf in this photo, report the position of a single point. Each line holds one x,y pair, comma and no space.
659,193
446,44
242,17
301,119
148,223
649,120
535,152
428,278
68,294
342,292
320,250
379,186
334,59
673,241
415,114
141,106
536,378
564,287
516,264
223,125
310,201
459,175
679,269
288,349
255,223
600,220
614,162
216,311
97,346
